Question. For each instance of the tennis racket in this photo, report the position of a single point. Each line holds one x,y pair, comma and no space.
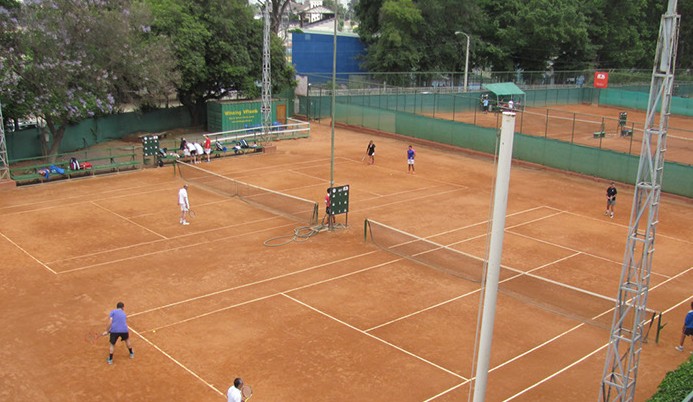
191,213
92,337
246,392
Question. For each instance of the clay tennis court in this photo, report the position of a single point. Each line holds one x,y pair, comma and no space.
577,123
332,318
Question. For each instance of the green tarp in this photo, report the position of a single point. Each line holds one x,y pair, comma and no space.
504,89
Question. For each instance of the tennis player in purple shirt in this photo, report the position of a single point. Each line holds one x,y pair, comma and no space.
411,154
118,328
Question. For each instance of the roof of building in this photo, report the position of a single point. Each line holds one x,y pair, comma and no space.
317,10
328,32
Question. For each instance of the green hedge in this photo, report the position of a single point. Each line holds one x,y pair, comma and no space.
677,384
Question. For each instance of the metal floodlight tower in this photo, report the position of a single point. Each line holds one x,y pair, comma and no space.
266,76
4,162
623,353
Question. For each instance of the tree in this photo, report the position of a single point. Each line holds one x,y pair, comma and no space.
394,47
536,33
444,50
218,46
278,8
78,59
622,33
685,52
368,14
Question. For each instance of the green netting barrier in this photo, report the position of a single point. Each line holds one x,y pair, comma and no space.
555,96
607,164
639,100
24,144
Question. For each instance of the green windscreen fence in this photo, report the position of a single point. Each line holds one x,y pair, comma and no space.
430,103
607,164
24,144
638,100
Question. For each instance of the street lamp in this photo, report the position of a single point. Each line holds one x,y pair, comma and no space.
466,59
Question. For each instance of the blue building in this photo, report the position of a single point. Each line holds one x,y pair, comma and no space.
311,54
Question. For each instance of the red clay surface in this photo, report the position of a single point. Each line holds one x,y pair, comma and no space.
577,123
332,318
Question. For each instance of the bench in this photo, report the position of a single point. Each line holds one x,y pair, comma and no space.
113,163
216,153
30,174
599,134
626,132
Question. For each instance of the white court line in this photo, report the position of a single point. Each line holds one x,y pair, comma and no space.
564,247
376,338
598,349
679,304
519,273
253,283
454,387
28,254
669,280
582,252
168,249
557,373
229,307
407,200
400,193
129,220
618,224
78,199
181,365
486,234
484,222
423,310
194,234
205,204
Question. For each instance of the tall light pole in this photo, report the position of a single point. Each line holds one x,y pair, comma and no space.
466,59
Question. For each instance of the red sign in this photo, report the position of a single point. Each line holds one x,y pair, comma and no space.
601,79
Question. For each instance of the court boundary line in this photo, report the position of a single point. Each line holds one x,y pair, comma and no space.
568,367
605,345
28,254
128,220
581,252
229,307
60,202
618,224
174,360
519,273
168,249
430,307
182,236
377,338
506,229
318,266
377,196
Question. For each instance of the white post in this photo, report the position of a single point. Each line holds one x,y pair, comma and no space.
500,203
466,60
466,64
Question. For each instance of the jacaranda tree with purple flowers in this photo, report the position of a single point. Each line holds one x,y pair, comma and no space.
74,59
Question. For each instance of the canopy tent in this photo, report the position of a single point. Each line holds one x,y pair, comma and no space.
506,91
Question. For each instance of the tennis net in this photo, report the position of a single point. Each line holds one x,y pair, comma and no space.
290,206
558,298
423,251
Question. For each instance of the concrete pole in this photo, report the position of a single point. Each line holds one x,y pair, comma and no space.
466,61
500,203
